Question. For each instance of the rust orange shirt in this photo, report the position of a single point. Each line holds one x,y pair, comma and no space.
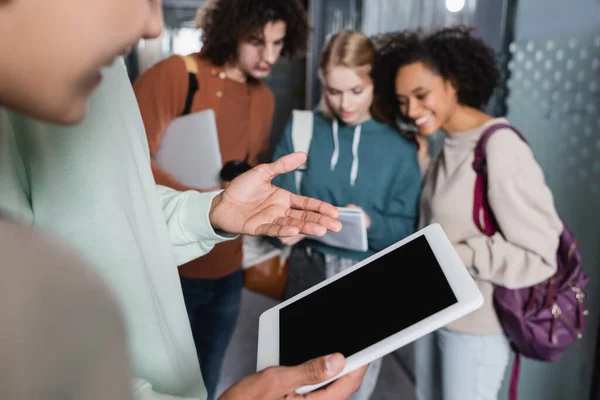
244,113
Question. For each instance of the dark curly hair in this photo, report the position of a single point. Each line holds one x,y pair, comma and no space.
225,23
454,53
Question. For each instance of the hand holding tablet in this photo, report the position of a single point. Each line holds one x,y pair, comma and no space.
392,298
282,382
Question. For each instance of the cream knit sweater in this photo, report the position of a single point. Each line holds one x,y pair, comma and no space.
525,253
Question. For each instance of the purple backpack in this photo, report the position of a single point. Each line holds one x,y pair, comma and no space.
543,320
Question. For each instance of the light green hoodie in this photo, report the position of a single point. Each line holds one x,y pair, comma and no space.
92,186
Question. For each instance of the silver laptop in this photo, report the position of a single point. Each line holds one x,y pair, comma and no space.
189,150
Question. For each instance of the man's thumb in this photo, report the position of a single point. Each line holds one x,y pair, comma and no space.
317,370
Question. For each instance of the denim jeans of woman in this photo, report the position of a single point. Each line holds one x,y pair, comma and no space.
458,366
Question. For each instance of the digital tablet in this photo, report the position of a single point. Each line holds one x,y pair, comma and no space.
392,298
189,150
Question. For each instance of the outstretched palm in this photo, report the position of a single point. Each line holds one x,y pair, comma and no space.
251,205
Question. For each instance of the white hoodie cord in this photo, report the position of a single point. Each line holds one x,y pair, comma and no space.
336,146
336,150
355,142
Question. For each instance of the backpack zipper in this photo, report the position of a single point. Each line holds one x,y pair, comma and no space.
558,315
580,296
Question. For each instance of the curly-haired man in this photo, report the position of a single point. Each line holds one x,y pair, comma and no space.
242,40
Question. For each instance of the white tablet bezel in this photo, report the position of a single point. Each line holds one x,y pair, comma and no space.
468,296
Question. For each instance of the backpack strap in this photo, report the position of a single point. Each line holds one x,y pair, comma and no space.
513,389
192,68
482,212
486,222
302,131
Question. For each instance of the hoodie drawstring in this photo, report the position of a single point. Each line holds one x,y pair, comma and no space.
336,146
336,150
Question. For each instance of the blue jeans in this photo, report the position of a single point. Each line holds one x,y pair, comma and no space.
458,366
213,306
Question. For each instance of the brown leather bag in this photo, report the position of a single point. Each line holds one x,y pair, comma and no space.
267,276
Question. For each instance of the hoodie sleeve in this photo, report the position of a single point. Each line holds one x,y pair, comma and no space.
399,218
186,215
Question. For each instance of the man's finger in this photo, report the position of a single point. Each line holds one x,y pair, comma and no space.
284,164
309,204
342,388
311,372
287,226
314,229
309,221
277,230
291,240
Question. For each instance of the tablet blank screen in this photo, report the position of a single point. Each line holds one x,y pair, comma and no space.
370,304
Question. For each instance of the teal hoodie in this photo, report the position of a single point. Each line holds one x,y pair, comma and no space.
374,168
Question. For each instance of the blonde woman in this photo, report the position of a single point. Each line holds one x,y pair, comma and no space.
353,161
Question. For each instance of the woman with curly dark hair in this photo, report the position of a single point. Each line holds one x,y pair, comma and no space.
242,41
441,81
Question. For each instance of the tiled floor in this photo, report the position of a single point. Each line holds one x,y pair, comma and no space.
241,356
